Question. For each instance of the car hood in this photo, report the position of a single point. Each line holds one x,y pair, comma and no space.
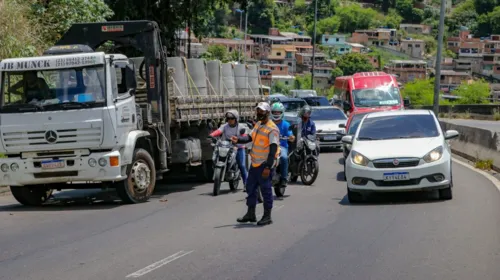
329,125
379,149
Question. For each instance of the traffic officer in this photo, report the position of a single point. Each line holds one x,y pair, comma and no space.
265,138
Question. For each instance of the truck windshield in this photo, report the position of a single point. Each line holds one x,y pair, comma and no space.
380,96
58,89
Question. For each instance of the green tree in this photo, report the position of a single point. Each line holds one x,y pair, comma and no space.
280,87
354,62
464,14
216,52
337,72
408,12
392,19
261,16
325,26
57,16
19,34
354,17
476,92
303,82
420,92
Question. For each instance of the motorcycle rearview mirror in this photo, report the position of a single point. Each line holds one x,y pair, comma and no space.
242,131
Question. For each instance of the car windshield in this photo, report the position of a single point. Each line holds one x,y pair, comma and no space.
353,126
53,89
293,106
380,96
398,127
327,114
317,101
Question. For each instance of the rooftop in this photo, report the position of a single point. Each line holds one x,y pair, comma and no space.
274,38
453,73
226,41
310,54
294,35
356,45
408,61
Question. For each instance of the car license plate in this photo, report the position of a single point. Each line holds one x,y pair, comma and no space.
330,137
52,164
397,176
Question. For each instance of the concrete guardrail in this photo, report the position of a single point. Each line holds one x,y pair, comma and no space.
478,109
475,143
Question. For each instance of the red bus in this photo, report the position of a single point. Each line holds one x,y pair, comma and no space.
366,91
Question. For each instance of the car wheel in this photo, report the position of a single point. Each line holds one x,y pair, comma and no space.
446,194
354,197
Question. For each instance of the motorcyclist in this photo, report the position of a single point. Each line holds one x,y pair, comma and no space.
232,128
308,125
277,112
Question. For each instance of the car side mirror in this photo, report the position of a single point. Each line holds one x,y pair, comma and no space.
342,125
319,131
347,139
407,102
451,134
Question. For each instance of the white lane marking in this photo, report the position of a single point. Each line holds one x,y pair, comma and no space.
158,264
493,180
278,208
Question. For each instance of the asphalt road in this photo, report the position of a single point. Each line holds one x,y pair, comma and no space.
490,125
316,234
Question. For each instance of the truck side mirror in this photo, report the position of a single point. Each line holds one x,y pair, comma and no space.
347,106
407,102
130,78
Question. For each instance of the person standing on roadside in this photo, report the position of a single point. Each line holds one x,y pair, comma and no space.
264,154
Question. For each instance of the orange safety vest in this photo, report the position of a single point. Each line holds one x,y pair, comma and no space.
260,142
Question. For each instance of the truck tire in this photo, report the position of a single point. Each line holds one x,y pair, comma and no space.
32,195
141,180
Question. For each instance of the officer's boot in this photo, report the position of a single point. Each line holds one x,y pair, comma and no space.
249,216
266,218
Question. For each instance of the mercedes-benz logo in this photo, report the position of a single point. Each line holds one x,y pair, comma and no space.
51,136
395,162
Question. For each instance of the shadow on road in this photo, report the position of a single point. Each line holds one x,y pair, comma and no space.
341,160
341,176
394,198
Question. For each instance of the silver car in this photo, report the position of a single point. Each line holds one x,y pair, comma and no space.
329,121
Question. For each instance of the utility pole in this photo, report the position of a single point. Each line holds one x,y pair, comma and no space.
245,37
437,77
314,43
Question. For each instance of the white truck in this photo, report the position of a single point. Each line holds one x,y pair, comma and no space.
80,118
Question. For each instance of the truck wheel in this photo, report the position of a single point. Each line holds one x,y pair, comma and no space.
32,195
141,180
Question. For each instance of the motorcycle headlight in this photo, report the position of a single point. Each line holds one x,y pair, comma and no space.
359,159
223,151
311,145
434,155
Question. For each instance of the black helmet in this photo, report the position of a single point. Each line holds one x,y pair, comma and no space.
305,110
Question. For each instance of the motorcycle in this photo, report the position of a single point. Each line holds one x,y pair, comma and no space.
304,160
279,190
225,165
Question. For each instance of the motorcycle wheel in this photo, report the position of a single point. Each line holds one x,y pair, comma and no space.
217,181
234,184
313,164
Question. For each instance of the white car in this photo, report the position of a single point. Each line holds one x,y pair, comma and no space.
399,151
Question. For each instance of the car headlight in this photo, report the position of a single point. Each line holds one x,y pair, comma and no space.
359,159
434,155
92,162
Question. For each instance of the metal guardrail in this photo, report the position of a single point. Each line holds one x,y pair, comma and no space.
479,109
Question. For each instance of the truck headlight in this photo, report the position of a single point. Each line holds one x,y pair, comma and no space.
103,162
14,167
359,159
5,167
434,155
92,162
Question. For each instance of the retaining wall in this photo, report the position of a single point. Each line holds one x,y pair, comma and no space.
475,143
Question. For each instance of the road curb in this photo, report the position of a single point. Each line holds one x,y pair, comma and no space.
488,176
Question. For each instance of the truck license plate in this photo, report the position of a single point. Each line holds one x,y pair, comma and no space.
397,176
52,164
